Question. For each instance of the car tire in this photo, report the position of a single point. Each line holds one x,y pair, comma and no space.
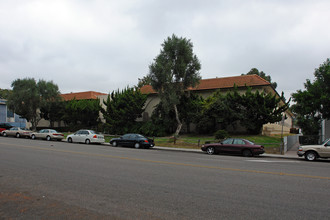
246,153
210,150
4,134
70,140
18,135
87,141
114,144
310,156
33,137
48,138
137,145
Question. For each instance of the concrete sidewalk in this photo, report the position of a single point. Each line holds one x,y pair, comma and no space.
287,155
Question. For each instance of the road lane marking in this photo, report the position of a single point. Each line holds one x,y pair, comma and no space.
174,163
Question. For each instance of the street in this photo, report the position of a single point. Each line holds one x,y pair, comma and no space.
105,182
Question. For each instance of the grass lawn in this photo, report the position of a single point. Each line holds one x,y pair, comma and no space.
271,143
196,141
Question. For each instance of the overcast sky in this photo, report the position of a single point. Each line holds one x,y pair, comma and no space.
105,45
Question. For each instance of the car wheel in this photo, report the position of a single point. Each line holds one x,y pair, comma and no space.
4,134
70,140
246,153
310,156
87,141
114,144
137,145
210,150
18,135
48,138
33,137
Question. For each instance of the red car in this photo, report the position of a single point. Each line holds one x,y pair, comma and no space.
4,126
234,146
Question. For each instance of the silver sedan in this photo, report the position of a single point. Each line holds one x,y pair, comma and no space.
17,132
86,136
48,134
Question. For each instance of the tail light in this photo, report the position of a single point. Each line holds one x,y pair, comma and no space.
95,136
146,141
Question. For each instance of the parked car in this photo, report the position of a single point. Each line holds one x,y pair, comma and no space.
133,140
312,152
17,132
5,126
86,136
48,134
234,146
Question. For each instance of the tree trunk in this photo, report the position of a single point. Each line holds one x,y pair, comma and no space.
178,128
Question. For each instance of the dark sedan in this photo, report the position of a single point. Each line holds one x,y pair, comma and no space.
132,140
234,146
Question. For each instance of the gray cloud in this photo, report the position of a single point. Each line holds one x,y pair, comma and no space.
106,45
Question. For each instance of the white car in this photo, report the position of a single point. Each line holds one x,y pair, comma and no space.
86,136
48,134
312,152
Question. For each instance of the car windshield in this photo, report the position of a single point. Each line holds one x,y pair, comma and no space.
52,131
139,136
92,132
326,141
250,142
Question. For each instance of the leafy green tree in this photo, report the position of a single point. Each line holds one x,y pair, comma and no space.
164,121
322,79
189,108
261,108
82,113
174,70
252,110
262,75
146,80
122,110
53,111
313,104
28,97
5,93
220,111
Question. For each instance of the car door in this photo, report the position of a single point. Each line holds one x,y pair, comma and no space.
76,137
125,139
225,145
41,134
84,135
325,149
237,146
133,139
12,131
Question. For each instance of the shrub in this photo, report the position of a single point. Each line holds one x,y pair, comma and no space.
221,134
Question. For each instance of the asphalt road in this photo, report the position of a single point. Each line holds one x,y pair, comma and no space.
45,180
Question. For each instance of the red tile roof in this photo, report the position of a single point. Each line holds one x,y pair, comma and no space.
81,95
221,83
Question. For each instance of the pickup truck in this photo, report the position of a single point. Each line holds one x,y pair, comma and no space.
312,152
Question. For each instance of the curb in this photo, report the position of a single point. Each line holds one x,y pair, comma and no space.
200,151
